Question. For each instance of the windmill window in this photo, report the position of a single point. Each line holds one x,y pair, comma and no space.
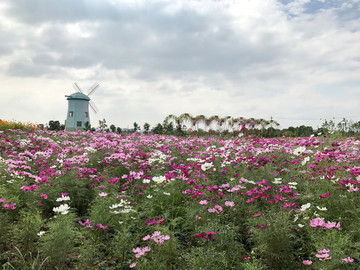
87,114
78,123
71,114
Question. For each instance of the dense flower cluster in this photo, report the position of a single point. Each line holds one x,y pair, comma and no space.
204,192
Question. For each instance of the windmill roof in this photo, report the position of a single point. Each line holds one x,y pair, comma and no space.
78,96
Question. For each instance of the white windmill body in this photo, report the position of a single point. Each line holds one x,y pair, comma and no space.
78,108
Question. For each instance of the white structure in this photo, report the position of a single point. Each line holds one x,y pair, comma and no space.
78,108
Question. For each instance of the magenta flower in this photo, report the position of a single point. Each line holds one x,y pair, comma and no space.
87,223
257,214
9,205
102,226
325,195
44,196
200,235
2,200
154,221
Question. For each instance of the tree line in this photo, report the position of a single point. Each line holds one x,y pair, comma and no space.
185,125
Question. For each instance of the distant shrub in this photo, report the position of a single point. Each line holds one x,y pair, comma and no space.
5,125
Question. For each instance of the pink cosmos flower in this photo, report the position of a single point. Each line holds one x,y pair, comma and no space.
9,205
103,194
317,222
257,214
140,251
307,262
347,260
44,196
323,255
2,200
331,225
203,202
132,265
229,203
218,208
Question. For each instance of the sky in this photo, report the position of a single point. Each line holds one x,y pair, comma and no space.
295,61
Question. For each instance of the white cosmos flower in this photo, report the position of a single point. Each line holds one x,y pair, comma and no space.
159,179
305,206
40,233
321,208
149,196
299,150
63,198
146,181
305,160
166,193
277,181
62,209
206,166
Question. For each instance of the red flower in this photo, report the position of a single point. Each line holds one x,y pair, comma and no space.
200,235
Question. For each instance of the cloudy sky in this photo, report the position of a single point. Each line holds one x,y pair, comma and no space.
297,61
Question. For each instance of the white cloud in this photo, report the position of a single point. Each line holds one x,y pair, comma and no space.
152,58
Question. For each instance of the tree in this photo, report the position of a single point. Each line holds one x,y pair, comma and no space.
102,125
158,129
54,125
146,128
118,130
112,128
169,128
87,125
136,127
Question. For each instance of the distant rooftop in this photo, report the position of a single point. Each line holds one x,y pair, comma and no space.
78,96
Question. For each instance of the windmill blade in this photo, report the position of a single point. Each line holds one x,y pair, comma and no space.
93,88
93,107
77,88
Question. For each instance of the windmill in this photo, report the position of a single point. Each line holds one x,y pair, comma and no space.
78,108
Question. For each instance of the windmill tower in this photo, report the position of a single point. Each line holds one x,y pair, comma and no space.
78,108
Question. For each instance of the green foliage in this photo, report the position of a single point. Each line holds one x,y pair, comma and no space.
26,229
158,129
136,127
58,243
102,125
55,125
146,128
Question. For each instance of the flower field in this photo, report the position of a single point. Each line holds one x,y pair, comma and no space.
83,200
